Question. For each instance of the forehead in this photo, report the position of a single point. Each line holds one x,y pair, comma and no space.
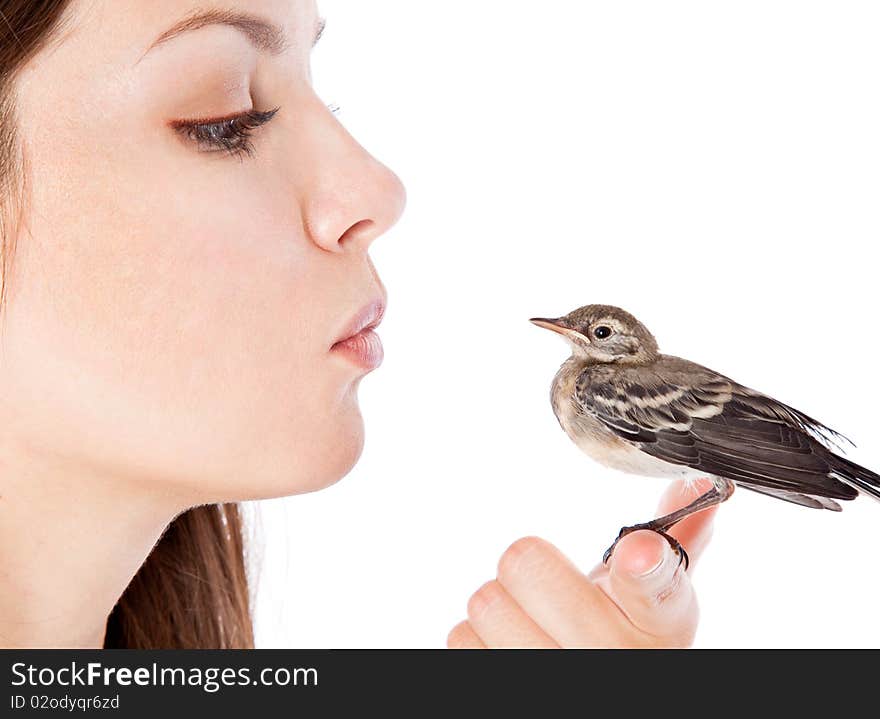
94,70
123,30
605,313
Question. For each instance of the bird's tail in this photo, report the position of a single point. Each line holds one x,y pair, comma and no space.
857,477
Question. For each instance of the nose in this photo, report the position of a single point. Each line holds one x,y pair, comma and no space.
353,198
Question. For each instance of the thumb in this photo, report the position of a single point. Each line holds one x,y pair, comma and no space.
650,585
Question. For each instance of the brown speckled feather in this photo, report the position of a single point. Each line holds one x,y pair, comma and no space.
686,414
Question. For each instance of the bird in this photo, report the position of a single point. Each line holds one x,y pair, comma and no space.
631,408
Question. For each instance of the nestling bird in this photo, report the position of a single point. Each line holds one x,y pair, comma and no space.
634,409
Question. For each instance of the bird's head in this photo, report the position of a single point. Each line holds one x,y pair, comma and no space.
604,334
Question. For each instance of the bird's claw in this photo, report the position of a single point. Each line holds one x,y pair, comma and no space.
673,542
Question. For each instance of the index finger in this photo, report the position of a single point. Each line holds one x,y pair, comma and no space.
695,530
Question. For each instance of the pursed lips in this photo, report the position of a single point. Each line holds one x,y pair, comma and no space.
367,318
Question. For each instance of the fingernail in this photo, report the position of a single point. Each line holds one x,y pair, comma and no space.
647,554
663,560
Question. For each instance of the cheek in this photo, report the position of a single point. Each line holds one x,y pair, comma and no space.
183,341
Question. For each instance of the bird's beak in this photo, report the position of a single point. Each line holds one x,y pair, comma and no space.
558,324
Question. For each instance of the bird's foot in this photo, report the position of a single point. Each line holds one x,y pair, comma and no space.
673,542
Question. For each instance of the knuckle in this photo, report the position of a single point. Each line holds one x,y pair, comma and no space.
675,596
676,631
457,637
516,555
483,598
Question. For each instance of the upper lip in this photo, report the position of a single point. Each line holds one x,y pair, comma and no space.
367,318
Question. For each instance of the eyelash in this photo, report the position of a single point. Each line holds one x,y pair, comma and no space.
216,132
230,134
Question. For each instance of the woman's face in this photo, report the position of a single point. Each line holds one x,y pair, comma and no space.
174,304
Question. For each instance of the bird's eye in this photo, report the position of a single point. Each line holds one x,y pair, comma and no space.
601,332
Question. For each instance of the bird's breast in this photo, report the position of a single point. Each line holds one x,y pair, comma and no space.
595,439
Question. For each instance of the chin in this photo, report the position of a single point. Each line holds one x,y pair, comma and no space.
331,450
296,453
338,459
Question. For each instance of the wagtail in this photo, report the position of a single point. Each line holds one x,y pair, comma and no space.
634,409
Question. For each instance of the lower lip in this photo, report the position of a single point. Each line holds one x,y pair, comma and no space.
363,349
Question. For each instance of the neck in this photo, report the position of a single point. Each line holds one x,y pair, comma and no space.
69,545
637,360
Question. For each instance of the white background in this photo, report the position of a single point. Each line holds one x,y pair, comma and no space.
712,167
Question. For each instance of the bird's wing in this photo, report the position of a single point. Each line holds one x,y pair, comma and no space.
689,415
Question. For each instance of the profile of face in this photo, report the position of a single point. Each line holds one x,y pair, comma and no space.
187,259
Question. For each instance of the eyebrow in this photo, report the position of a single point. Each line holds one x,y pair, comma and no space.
262,34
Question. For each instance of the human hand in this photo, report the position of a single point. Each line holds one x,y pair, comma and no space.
642,598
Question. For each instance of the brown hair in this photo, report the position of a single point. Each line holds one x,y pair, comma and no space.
192,592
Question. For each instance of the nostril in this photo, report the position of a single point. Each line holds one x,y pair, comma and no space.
356,231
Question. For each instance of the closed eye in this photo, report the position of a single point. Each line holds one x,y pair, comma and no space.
231,135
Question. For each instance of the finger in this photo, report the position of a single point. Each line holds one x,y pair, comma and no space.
463,636
559,598
695,531
500,622
650,585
